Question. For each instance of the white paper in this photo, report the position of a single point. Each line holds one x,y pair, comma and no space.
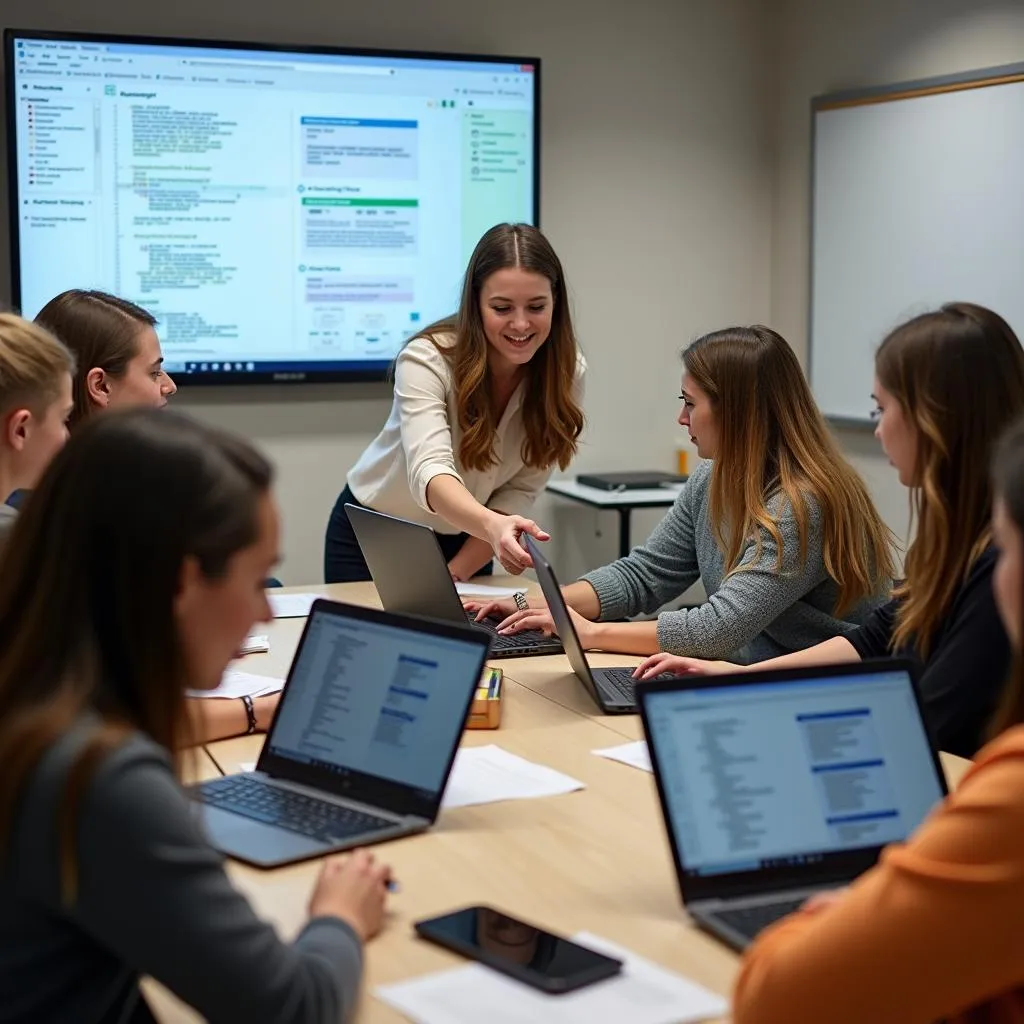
483,775
480,590
291,606
643,993
240,684
634,754
255,643
247,766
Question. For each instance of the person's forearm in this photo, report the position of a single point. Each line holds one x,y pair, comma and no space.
471,558
581,597
625,637
836,651
219,719
453,503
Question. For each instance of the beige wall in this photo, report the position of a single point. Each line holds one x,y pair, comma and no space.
823,47
656,193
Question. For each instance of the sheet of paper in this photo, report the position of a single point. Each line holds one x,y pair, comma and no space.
247,766
483,775
634,754
481,590
643,993
239,684
291,606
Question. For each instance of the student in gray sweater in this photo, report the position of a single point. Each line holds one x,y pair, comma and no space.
145,545
777,526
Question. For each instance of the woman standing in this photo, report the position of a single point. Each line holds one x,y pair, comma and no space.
486,404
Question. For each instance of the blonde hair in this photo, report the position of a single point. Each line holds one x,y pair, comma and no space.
774,442
33,364
552,418
958,376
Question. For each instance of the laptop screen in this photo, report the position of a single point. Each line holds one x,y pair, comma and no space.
376,698
776,774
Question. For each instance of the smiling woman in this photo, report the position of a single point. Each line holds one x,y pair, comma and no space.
487,403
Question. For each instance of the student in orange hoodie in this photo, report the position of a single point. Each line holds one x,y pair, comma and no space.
933,931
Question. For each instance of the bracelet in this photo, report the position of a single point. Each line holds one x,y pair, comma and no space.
250,714
521,603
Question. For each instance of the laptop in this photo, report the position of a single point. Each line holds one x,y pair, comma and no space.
611,689
362,742
411,576
778,785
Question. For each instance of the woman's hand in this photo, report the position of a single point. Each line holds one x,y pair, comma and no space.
539,617
353,888
489,608
823,900
671,664
504,535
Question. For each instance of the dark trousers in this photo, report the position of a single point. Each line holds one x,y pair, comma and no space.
344,562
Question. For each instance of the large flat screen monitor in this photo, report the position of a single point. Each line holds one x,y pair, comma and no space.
286,214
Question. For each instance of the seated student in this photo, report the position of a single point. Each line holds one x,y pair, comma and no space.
144,549
487,403
119,359
777,525
947,384
120,365
35,403
933,931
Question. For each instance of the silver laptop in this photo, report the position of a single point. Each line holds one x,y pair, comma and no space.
777,785
362,743
611,689
411,576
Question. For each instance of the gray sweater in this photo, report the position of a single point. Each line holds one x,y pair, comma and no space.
749,616
153,899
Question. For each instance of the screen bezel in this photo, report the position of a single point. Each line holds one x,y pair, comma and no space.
833,866
310,375
396,797
606,967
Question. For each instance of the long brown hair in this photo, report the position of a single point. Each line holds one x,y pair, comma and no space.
102,330
87,591
774,443
958,376
1008,481
552,417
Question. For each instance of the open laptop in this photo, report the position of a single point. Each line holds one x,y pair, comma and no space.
611,689
411,576
362,742
777,785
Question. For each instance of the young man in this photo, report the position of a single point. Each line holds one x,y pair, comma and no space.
36,371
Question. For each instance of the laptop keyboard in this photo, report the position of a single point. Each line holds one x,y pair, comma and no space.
749,921
622,682
527,640
319,819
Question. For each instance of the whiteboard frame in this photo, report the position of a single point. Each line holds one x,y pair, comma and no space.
983,78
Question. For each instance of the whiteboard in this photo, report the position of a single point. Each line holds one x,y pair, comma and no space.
917,200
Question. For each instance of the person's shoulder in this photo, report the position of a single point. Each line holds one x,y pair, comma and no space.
581,363
428,351
983,566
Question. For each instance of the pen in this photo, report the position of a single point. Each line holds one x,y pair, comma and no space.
393,886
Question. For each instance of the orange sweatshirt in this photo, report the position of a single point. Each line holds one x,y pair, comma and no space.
935,930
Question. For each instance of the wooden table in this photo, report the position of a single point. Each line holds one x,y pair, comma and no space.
596,859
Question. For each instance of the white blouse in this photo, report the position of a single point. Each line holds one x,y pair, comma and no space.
421,439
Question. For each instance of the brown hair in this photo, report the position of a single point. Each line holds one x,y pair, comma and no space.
774,442
1008,481
552,418
33,364
102,330
97,555
958,376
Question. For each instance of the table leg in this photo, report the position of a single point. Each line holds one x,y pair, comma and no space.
624,513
